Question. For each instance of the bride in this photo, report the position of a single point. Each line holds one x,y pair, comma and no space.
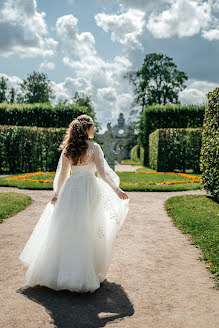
71,246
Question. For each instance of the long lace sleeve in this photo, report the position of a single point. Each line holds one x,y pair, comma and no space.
104,170
62,173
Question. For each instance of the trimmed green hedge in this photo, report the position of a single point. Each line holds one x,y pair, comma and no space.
175,149
142,155
210,145
41,115
167,116
137,154
29,149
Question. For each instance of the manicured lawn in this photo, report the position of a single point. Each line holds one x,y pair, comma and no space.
198,216
146,177
174,187
12,203
130,162
129,181
27,184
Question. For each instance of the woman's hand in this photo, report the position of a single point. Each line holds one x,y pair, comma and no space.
53,201
121,194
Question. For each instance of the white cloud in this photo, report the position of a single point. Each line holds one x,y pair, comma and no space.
215,5
212,34
114,101
183,18
104,82
25,12
46,66
12,80
78,44
141,4
108,102
195,92
23,30
125,27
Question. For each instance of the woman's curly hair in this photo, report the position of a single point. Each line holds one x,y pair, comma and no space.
75,138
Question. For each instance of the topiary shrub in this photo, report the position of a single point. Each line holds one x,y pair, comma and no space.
175,149
41,115
135,153
167,116
142,155
29,149
209,160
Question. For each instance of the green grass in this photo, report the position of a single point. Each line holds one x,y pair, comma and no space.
12,203
198,216
124,177
27,185
130,162
146,177
144,168
176,187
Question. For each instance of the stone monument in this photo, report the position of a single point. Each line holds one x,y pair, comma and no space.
108,146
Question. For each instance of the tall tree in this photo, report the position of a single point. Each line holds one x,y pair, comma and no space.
12,94
35,89
157,82
3,89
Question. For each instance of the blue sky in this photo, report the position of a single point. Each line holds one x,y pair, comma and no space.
89,45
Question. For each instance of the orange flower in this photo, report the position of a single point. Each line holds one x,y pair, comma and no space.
24,176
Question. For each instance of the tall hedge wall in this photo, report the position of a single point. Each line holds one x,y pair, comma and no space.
167,116
137,154
210,145
29,149
41,115
175,148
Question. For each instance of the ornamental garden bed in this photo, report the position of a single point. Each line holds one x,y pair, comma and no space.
129,181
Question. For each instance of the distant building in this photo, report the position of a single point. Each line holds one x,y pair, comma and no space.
119,130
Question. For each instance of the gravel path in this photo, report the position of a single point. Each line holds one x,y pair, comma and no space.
155,279
128,167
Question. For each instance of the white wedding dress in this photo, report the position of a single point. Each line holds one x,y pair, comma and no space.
71,246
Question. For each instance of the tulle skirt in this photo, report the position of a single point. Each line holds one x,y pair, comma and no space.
71,246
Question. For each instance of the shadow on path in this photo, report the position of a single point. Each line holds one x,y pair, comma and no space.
70,309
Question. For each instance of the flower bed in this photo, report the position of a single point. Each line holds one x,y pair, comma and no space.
25,177
190,178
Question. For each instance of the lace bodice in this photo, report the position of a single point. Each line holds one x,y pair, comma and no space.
93,161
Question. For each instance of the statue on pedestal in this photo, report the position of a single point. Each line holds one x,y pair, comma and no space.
108,146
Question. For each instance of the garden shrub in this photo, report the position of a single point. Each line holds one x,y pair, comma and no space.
135,153
29,149
167,116
41,115
142,155
175,149
210,145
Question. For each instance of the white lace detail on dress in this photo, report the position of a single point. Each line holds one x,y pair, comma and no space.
89,153
104,170
95,157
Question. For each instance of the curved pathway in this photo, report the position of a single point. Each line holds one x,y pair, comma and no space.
155,279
